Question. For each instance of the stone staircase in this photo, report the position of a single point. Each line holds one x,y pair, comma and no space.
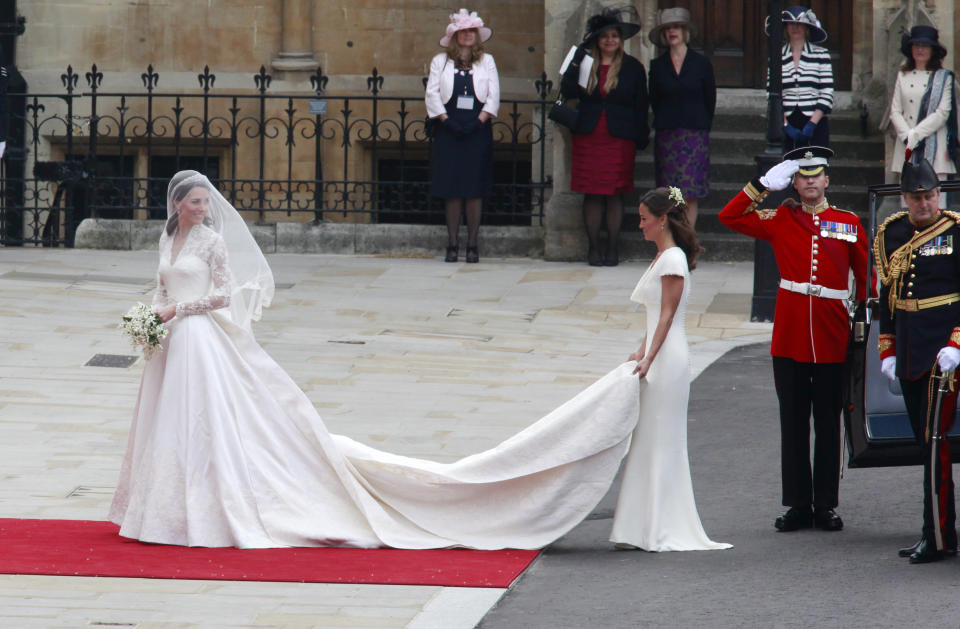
738,135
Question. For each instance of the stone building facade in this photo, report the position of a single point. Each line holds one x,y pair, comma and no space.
291,38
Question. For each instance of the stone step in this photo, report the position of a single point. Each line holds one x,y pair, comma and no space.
844,122
743,169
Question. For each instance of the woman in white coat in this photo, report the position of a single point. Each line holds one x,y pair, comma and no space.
463,94
922,104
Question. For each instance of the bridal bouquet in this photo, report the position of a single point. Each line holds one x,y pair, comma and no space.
144,328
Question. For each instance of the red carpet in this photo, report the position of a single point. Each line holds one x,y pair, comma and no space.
93,549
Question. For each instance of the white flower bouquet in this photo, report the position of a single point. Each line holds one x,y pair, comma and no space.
145,329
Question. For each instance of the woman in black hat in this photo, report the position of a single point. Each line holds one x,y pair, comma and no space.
807,80
922,107
611,125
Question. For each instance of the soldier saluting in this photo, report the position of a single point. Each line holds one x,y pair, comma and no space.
918,260
816,246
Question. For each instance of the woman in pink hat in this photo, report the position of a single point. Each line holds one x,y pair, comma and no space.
463,94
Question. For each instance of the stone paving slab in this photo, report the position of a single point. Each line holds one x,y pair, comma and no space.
413,356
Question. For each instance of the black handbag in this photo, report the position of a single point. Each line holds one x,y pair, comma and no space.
561,114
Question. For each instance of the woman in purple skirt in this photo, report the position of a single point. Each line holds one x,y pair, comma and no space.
683,96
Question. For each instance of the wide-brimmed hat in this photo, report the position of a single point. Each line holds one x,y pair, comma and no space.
462,21
918,176
921,35
677,16
610,18
810,159
801,15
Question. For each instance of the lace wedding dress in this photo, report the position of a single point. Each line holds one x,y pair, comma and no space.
225,449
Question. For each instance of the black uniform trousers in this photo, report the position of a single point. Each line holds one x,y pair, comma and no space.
800,387
939,486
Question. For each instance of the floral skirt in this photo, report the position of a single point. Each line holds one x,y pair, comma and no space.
682,159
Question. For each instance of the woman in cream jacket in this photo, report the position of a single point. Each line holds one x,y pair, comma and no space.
921,104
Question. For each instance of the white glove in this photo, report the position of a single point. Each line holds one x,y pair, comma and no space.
888,366
949,358
780,176
913,138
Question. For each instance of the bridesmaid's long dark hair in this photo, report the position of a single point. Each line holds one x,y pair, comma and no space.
659,203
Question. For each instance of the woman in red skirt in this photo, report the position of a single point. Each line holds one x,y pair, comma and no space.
611,125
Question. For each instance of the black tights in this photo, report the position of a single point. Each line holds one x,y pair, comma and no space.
454,209
595,206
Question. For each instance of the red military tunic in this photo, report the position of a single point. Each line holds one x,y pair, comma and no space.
806,328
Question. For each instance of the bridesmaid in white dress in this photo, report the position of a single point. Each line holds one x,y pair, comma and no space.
226,450
656,510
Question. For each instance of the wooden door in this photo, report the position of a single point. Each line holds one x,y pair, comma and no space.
730,33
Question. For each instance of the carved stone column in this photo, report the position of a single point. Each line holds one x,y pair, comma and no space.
296,47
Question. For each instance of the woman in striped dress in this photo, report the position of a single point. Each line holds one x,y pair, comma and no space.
807,80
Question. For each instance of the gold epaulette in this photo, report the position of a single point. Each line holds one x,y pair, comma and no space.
954,215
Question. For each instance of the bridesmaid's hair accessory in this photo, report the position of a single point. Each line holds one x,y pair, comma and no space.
676,196
463,21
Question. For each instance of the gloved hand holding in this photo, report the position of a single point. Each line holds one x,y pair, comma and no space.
453,126
780,176
888,367
808,129
791,131
948,358
913,138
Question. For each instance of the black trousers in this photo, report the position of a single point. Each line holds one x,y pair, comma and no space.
937,471
800,388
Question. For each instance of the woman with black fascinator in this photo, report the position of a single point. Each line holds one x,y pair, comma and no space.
611,125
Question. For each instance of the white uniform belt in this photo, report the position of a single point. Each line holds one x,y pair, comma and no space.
806,288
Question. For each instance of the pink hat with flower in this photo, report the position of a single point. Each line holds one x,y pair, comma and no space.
461,21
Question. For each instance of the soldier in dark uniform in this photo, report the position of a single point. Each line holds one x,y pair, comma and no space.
918,259
816,246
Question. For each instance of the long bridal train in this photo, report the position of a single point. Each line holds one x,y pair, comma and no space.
226,450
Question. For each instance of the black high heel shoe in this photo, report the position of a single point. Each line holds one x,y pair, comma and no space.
452,253
473,255
612,258
594,258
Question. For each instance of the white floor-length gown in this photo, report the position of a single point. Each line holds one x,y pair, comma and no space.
226,450
656,510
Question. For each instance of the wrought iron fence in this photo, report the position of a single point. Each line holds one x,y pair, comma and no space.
305,156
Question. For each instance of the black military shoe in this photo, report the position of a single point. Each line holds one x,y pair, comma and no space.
794,519
927,553
827,519
909,550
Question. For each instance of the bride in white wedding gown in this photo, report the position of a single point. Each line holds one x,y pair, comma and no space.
226,450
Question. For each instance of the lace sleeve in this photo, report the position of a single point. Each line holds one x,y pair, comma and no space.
160,296
219,297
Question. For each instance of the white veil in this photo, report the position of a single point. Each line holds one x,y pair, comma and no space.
253,287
